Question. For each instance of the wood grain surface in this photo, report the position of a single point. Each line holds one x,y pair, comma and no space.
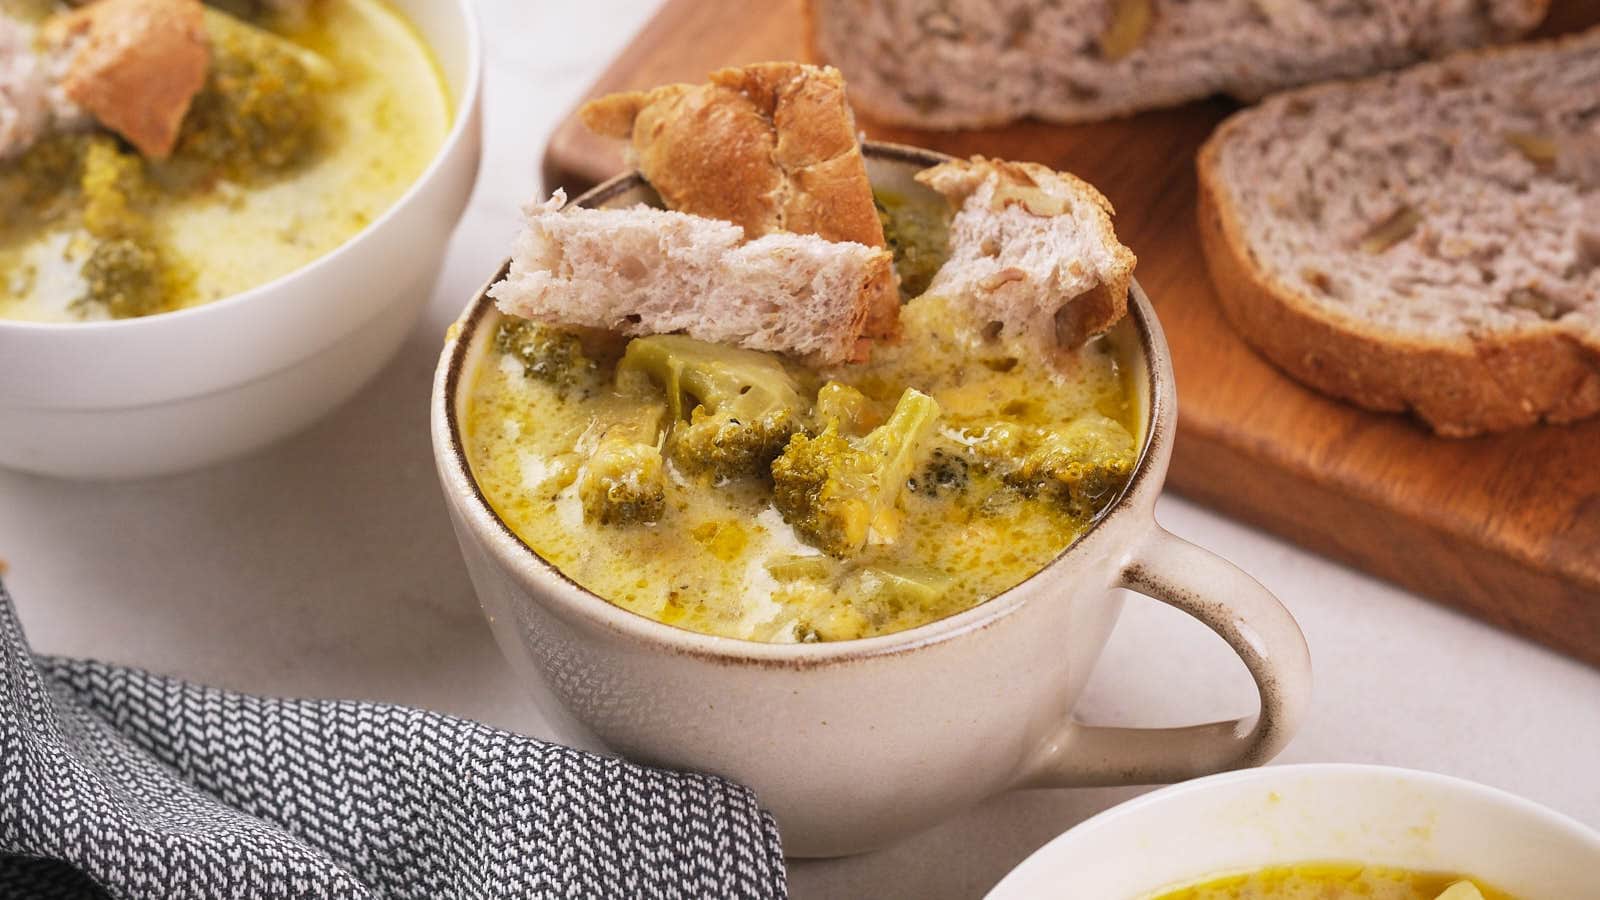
1506,527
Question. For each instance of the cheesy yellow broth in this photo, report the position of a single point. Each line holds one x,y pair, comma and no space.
1327,881
722,560
381,121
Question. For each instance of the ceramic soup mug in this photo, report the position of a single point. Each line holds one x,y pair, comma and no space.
855,744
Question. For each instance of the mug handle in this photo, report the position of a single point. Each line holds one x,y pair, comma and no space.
1258,628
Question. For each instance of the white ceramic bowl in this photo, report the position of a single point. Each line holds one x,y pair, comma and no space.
179,390
1286,814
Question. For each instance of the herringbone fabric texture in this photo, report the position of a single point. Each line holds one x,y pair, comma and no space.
118,783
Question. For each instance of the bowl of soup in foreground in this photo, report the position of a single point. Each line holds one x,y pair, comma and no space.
1330,831
867,694
159,314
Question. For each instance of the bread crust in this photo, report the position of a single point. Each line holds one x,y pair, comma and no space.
1039,190
769,147
1460,388
886,98
135,66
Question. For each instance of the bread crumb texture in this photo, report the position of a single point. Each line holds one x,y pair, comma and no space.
1439,227
1031,250
934,64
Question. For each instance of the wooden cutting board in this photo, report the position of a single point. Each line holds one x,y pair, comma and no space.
1505,527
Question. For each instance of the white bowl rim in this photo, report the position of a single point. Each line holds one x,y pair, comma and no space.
462,116
1275,774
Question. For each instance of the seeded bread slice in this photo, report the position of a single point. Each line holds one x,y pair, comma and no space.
973,63
1031,250
1425,241
769,147
651,271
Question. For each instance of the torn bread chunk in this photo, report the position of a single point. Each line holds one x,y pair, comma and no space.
650,271
769,147
25,112
1032,250
134,65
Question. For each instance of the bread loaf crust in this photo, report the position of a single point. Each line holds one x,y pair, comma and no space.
769,147
980,63
1459,385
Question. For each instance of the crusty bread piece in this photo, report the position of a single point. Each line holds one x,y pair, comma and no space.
651,271
769,147
135,65
1032,250
1425,241
935,64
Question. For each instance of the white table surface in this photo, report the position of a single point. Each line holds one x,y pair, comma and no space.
325,567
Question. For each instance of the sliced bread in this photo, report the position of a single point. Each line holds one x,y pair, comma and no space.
769,147
937,64
1425,241
651,271
1031,250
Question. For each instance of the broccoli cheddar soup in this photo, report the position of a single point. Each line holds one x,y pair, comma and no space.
741,493
306,122
1335,881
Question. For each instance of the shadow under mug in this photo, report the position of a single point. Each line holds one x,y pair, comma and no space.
855,744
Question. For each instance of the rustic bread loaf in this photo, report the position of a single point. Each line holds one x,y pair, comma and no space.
651,271
971,63
1425,241
1032,250
769,147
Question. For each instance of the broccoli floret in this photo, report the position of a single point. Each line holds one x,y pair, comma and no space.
838,493
733,410
624,480
548,355
1078,467
258,110
126,271
946,472
126,277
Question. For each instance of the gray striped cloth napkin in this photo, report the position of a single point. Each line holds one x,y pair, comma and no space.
118,783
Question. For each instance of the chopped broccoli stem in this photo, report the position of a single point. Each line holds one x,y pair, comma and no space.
1078,467
742,405
258,111
840,493
815,567
905,584
548,355
624,480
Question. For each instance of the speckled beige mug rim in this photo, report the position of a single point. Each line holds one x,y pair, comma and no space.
517,555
